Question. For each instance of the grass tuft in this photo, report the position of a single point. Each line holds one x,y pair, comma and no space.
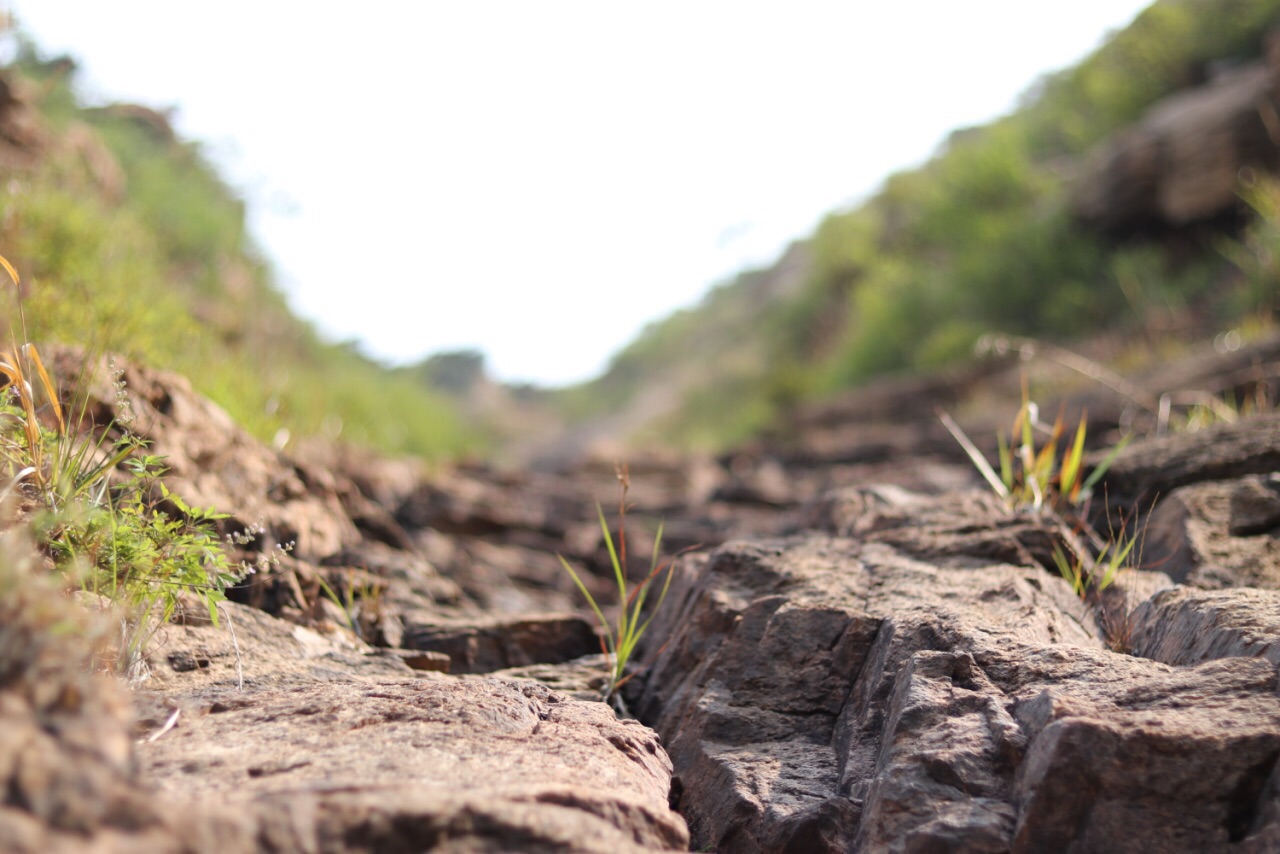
618,640
96,508
1037,477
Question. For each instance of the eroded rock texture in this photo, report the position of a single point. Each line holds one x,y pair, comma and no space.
424,764
840,693
867,655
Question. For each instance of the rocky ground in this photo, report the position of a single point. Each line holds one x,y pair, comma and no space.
867,652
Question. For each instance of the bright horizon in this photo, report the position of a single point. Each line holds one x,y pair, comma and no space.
540,181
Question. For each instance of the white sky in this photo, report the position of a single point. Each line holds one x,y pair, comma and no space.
540,179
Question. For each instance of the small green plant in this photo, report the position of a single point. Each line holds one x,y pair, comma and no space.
1106,567
618,640
1035,477
1052,482
1090,576
97,508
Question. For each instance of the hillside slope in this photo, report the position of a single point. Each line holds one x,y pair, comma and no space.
127,240
990,235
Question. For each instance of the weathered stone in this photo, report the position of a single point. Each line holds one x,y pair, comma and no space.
1255,506
1186,626
437,661
494,644
1182,162
214,463
780,659
839,694
67,768
1189,535
1150,470
252,649
411,765
969,527
583,678
1169,760
505,579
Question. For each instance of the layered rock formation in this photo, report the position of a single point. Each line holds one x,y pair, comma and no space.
839,693
868,653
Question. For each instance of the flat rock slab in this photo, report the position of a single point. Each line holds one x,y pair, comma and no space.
416,764
288,739
249,649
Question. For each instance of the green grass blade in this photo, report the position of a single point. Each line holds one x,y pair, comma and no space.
1115,563
657,546
979,461
642,591
591,600
1067,484
1102,467
619,573
661,598
1006,461
1069,571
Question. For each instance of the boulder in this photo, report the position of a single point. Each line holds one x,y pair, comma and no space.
211,461
841,693
1183,161
1148,471
1216,534
1185,626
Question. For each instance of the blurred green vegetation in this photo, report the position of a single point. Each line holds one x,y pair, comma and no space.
144,251
129,241
976,240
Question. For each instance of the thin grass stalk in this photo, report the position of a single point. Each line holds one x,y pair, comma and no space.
979,461
1068,482
618,573
1102,467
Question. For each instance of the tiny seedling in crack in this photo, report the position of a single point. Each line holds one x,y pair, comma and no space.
619,639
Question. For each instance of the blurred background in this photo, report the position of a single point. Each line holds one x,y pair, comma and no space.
497,229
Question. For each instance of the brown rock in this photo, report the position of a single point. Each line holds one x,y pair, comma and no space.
1148,471
416,765
486,645
780,658
1255,506
968,527
1182,162
1167,760
1185,626
833,694
253,650
1215,534
67,768
214,463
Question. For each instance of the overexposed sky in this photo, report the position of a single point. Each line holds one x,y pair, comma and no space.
539,180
